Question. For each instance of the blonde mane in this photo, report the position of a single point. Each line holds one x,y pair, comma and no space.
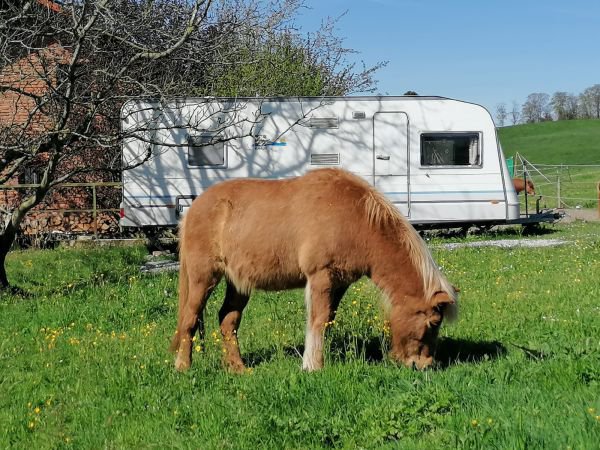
381,213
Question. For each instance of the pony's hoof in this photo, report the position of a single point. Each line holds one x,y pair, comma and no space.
237,368
311,367
181,365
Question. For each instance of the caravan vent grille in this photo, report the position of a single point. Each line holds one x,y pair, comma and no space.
324,122
322,159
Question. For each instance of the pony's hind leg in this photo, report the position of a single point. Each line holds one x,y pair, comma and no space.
191,316
230,316
321,301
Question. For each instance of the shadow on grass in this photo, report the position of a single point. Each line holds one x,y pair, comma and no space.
534,355
459,351
15,291
341,349
494,232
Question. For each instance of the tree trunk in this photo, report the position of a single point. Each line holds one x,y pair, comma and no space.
3,278
7,237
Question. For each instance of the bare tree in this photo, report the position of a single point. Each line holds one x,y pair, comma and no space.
66,70
590,102
536,108
559,103
572,107
515,113
501,113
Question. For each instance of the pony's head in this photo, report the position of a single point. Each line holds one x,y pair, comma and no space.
530,188
418,293
415,327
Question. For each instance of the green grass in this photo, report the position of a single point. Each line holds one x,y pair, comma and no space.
567,142
561,142
83,360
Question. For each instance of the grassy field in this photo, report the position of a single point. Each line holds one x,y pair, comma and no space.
561,142
564,142
84,362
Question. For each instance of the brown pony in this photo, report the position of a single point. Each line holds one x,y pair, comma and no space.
324,231
520,186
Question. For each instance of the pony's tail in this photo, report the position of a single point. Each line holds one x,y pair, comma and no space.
183,287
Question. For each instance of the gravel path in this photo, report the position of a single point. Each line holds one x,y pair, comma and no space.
508,243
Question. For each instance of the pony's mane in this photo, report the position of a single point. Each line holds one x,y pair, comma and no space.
382,214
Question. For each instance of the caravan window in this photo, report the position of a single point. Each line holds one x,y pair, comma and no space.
203,153
450,149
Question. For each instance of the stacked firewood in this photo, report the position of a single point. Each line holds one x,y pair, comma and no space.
70,222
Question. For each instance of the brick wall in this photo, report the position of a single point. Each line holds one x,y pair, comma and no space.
34,75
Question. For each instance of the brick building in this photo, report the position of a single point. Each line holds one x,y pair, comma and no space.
65,209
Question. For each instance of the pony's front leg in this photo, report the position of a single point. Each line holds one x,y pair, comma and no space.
230,316
321,303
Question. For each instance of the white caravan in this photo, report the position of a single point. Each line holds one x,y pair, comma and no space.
438,160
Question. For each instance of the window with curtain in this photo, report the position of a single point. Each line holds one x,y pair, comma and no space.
203,152
450,149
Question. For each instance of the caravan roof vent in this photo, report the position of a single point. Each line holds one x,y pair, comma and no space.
324,159
323,122
358,115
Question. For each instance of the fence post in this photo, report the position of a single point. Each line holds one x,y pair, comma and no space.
94,211
558,193
598,191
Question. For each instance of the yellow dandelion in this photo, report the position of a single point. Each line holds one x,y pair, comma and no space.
197,348
474,423
490,421
37,410
31,425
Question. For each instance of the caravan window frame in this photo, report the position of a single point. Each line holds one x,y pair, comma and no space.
452,133
190,146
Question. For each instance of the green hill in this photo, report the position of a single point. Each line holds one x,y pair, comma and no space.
569,143
562,142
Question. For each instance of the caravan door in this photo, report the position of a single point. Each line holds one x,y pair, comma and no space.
390,156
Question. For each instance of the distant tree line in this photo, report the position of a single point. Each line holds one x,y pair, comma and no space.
541,107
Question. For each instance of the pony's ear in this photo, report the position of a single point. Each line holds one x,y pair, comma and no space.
442,298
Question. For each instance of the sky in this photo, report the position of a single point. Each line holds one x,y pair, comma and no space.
482,51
